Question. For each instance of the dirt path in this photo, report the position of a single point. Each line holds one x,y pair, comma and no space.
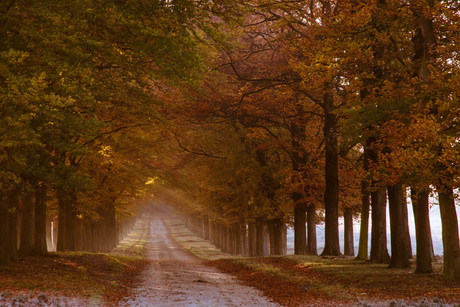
177,278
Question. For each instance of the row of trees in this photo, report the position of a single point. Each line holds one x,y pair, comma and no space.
330,107
78,115
262,112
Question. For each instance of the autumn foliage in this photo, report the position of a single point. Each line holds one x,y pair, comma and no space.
247,116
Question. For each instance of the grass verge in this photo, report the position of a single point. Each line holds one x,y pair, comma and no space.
75,278
312,280
191,242
326,281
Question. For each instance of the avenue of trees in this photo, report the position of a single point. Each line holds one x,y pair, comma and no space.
247,116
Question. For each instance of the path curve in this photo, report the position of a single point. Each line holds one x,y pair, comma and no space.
176,278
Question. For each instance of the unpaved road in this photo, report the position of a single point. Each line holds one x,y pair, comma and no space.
177,278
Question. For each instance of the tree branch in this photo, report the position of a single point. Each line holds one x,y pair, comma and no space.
199,153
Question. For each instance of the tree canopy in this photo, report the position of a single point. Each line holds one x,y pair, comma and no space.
260,112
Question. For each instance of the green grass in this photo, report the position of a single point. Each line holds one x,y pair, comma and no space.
134,244
347,279
196,245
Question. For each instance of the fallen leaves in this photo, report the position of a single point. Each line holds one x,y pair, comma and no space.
83,275
292,281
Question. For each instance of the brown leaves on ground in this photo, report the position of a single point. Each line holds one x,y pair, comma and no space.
315,281
104,277
282,290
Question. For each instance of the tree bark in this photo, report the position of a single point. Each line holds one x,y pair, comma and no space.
299,159
364,225
49,234
111,224
262,240
13,204
40,220
242,246
311,233
206,228
213,232
424,42
300,231
70,223
27,243
398,222
450,237
420,204
66,221
276,227
239,238
62,213
4,232
349,248
94,237
228,239
379,249
331,176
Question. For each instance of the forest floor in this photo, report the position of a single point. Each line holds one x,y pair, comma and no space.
126,278
328,281
76,278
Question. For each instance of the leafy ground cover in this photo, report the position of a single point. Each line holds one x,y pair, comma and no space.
308,280
75,278
326,281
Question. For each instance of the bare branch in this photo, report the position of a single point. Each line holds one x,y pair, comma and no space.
199,153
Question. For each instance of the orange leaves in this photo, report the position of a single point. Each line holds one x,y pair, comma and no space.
413,148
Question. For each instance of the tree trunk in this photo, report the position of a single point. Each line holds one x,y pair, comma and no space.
406,231
266,238
398,221
311,225
66,221
70,223
27,242
262,240
299,158
111,224
86,236
379,249
232,239
40,220
300,231
223,237
246,240
94,237
450,237
206,227
349,248
213,233
420,204
424,41
364,226
220,237
276,232
241,245
239,239
49,234
331,193
13,204
252,238
62,213
4,232
228,239
79,235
